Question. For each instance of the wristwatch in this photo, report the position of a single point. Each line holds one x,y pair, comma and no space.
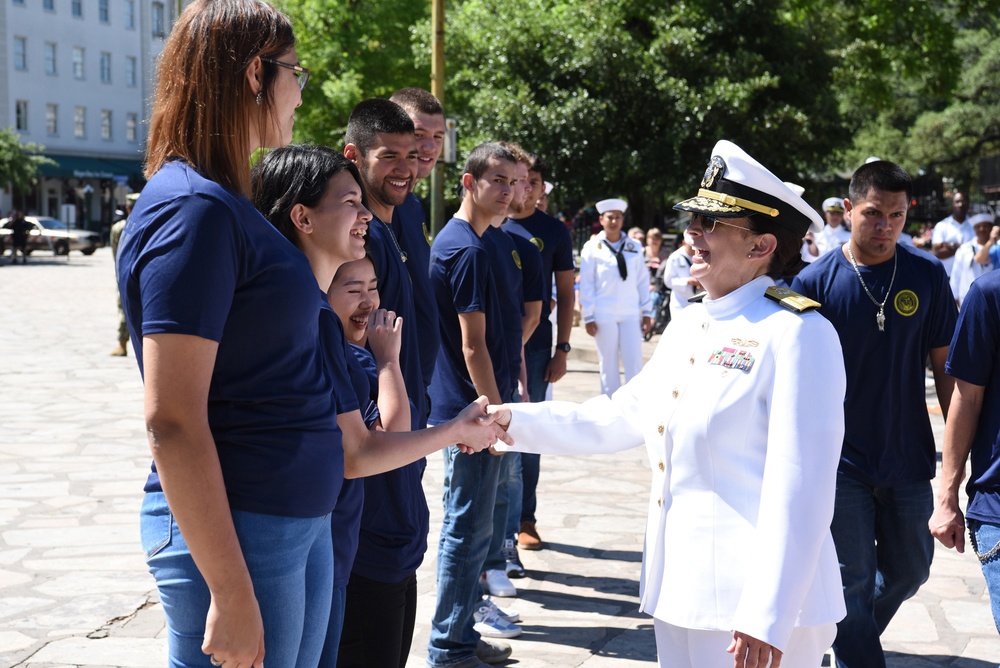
564,347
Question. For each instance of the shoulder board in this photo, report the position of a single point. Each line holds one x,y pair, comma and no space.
697,298
792,301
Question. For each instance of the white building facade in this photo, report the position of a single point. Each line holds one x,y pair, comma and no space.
77,76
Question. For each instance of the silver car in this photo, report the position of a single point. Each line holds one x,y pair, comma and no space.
48,233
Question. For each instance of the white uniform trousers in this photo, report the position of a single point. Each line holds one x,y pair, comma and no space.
616,338
679,647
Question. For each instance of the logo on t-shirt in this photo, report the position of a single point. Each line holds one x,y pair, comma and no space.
517,258
906,302
539,244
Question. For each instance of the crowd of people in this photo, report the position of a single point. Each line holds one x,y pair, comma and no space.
783,411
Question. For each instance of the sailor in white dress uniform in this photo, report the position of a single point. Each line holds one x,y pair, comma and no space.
740,410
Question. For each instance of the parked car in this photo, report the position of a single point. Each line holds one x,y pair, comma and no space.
48,233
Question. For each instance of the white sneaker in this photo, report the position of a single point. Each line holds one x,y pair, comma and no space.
489,624
510,614
496,583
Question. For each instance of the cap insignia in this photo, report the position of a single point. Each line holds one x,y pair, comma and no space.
716,168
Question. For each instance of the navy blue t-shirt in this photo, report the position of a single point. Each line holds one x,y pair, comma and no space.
345,521
196,259
531,267
552,239
888,437
463,281
506,265
410,226
396,294
975,358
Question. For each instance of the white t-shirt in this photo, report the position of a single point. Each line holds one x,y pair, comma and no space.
949,231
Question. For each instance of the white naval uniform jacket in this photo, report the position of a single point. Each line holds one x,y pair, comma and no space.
741,412
603,293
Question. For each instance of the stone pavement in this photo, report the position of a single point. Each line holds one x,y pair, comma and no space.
74,590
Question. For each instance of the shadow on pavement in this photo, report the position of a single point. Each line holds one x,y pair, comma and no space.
901,660
629,556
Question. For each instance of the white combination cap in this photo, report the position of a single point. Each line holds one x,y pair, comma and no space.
981,218
606,205
835,204
735,186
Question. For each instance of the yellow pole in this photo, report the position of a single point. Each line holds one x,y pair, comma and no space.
437,89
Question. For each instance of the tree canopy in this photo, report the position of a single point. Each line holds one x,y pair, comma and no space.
19,163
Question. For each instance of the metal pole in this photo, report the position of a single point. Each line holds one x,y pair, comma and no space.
437,89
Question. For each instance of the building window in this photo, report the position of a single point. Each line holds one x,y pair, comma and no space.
106,124
159,20
130,14
77,7
21,115
105,67
49,5
20,53
77,62
50,58
131,69
80,122
52,119
131,123
103,13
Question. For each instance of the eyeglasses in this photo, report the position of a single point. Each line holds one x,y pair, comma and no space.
301,73
708,224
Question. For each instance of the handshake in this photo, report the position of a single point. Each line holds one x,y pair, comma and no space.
480,425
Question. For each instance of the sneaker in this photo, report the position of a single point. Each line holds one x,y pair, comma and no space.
490,651
514,568
510,614
528,537
496,583
489,623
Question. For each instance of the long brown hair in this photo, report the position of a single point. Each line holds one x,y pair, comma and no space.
203,108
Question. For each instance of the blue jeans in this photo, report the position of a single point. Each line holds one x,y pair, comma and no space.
290,561
335,629
506,511
536,362
985,537
470,483
885,553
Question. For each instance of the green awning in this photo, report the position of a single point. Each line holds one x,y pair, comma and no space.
70,167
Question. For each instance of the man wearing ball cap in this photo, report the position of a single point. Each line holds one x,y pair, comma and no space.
739,567
834,234
614,296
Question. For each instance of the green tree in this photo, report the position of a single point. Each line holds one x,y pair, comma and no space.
19,163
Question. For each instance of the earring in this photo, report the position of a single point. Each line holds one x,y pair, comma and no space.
260,97
750,255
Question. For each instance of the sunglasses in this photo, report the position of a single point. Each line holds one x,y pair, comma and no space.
708,224
301,73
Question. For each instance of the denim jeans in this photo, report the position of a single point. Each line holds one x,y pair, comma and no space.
290,561
985,537
885,553
331,645
470,483
505,522
536,362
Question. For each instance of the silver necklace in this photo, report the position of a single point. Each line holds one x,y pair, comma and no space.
392,235
880,317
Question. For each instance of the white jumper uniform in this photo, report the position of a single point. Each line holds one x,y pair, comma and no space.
831,238
741,412
675,277
616,306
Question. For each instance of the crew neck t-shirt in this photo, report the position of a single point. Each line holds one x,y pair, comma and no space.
888,437
552,239
197,259
506,265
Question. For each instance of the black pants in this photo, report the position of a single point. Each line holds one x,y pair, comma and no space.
378,623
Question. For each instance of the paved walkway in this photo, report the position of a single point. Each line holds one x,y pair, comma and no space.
74,590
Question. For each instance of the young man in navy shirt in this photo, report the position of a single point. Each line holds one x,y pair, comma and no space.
473,361
892,308
543,365
394,522
409,222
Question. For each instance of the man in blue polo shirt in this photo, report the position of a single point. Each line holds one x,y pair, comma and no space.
473,361
409,222
892,308
974,426
543,365
394,522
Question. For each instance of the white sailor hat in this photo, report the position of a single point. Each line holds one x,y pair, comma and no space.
735,186
834,204
981,218
548,187
606,205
